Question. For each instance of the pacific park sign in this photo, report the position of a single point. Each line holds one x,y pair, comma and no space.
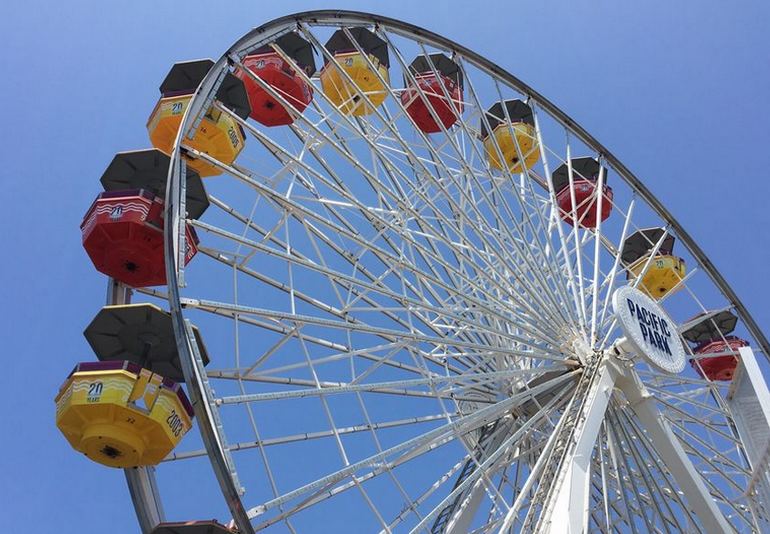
649,329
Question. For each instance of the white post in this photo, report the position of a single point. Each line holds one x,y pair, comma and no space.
461,522
673,455
140,480
571,500
749,403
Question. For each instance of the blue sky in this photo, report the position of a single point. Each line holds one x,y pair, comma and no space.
677,90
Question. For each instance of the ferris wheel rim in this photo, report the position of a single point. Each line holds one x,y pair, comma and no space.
263,34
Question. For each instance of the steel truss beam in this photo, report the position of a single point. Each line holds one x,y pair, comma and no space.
571,500
565,505
672,453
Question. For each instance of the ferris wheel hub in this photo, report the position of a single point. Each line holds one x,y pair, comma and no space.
576,351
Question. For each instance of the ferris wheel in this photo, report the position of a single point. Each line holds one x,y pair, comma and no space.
395,289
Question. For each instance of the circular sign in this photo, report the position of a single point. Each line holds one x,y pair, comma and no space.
649,329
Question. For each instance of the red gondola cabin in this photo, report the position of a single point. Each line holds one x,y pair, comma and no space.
438,77
123,236
585,177
720,358
267,65
716,349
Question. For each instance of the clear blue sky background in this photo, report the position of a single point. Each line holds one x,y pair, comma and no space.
678,90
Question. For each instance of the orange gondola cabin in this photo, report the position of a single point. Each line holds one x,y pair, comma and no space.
441,82
579,203
280,76
218,135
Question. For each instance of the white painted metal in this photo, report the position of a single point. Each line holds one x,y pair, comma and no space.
672,453
569,514
749,401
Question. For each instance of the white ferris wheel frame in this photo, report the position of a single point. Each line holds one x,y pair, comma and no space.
567,499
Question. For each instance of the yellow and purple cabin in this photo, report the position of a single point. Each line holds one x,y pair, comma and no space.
141,333
353,82
665,270
121,415
512,130
219,135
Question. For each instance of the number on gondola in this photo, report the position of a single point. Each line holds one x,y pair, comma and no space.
94,391
174,423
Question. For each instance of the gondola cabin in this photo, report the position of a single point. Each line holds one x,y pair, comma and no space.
579,203
441,82
282,78
148,169
665,271
192,527
717,359
219,135
510,138
355,81
715,349
122,233
121,415
143,334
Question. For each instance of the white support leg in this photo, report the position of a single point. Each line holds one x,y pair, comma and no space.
749,402
461,522
570,508
141,482
673,455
